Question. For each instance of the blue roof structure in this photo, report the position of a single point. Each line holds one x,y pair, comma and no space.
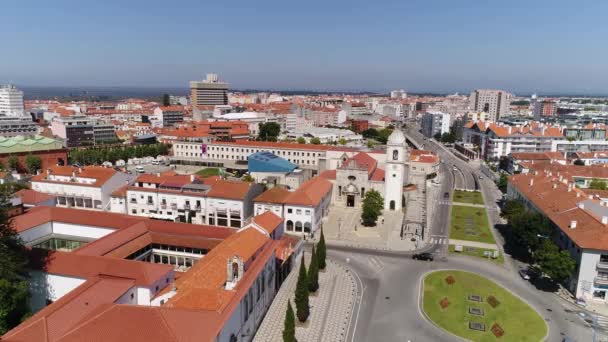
269,162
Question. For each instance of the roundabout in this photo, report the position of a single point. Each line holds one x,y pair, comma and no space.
475,308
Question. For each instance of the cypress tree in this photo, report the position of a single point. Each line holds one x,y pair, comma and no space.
321,252
302,308
313,272
289,332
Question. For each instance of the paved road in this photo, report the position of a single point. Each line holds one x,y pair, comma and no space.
390,286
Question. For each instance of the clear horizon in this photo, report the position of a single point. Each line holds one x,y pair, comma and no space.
546,47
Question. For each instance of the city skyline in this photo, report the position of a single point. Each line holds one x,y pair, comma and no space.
437,47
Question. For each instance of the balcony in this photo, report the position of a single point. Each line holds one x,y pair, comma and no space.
173,206
601,280
602,265
187,206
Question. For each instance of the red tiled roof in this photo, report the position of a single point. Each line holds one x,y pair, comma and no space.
310,193
328,174
32,197
100,174
236,190
361,160
275,195
268,220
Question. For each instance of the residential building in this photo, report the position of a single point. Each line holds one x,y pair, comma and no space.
324,134
167,116
578,219
303,208
50,151
398,94
87,187
517,160
498,140
210,91
435,123
11,101
271,170
423,162
591,158
81,130
187,198
142,279
543,108
494,102
12,126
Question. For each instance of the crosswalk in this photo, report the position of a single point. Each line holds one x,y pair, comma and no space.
439,240
375,263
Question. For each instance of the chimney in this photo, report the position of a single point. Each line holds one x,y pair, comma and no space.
604,219
572,224
578,194
79,170
554,186
509,129
48,172
73,174
569,187
531,181
581,205
192,177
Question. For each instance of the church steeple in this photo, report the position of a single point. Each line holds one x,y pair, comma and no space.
396,158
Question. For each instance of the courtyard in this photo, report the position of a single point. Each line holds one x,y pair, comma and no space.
475,308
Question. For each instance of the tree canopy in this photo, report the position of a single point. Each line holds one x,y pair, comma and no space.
302,305
373,203
558,265
269,131
289,327
92,156
301,140
597,184
13,275
315,141
33,163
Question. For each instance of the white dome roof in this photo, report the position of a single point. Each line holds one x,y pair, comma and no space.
396,138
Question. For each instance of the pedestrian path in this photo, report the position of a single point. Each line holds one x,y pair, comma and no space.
439,240
473,244
330,308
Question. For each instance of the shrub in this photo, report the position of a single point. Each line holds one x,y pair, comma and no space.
497,330
493,301
444,303
450,280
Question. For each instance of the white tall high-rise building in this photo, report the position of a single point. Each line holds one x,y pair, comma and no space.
494,102
395,170
11,101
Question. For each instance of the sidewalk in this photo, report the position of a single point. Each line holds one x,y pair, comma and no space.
330,308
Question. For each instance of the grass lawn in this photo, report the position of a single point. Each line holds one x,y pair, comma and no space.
517,319
468,197
472,220
478,252
208,172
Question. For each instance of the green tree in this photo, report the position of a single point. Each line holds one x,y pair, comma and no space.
597,184
301,140
342,141
33,163
269,131
313,272
302,307
13,163
315,141
512,209
437,136
556,264
579,162
528,230
321,252
370,144
166,100
13,275
289,327
502,183
1,166
372,207
247,178
383,135
370,133
448,138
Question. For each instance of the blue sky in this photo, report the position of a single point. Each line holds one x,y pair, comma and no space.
439,46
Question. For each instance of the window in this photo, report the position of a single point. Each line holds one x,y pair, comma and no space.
289,211
299,211
604,258
307,212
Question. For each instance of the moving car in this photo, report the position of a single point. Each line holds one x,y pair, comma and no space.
524,274
423,256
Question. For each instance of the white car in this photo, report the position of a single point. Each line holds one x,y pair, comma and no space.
140,169
524,274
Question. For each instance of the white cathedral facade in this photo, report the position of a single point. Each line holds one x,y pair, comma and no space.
361,173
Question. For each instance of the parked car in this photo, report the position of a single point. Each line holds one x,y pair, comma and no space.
156,162
480,177
524,274
423,256
140,169
446,195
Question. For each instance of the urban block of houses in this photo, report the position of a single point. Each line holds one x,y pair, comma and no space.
114,277
87,187
579,221
188,198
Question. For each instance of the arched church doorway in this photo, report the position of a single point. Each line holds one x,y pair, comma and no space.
392,205
350,200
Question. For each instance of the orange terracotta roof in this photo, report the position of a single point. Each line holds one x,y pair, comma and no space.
236,190
100,174
361,160
268,220
275,195
32,197
328,174
285,145
310,193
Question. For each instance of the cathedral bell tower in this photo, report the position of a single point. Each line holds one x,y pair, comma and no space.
394,178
